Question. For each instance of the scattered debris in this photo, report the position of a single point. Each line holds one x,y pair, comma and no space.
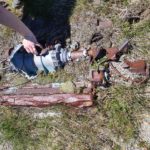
136,72
55,57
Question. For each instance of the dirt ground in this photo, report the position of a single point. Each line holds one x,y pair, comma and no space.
120,117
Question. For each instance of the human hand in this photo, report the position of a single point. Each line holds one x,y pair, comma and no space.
29,43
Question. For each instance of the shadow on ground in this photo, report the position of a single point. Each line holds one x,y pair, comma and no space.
48,19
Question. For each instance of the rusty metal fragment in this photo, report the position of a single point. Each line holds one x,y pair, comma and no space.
97,76
135,72
137,66
113,53
47,95
96,53
43,96
76,55
77,100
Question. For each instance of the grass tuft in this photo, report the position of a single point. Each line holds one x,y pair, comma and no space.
121,108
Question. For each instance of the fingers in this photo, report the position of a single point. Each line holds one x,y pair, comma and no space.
30,49
29,46
39,45
33,49
44,51
27,49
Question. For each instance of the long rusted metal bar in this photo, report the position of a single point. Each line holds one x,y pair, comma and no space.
42,96
77,100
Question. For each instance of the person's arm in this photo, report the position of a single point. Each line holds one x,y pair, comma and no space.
10,20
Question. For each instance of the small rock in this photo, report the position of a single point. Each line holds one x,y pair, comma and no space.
105,23
96,2
134,1
146,14
46,114
68,87
145,128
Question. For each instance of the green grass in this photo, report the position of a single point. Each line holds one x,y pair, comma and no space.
132,30
121,107
144,144
120,2
116,147
25,132
16,128
81,4
115,111
59,76
6,32
120,121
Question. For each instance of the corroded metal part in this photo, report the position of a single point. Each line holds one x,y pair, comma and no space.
138,66
76,55
92,52
35,91
77,100
96,53
44,95
111,53
136,72
124,46
97,76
